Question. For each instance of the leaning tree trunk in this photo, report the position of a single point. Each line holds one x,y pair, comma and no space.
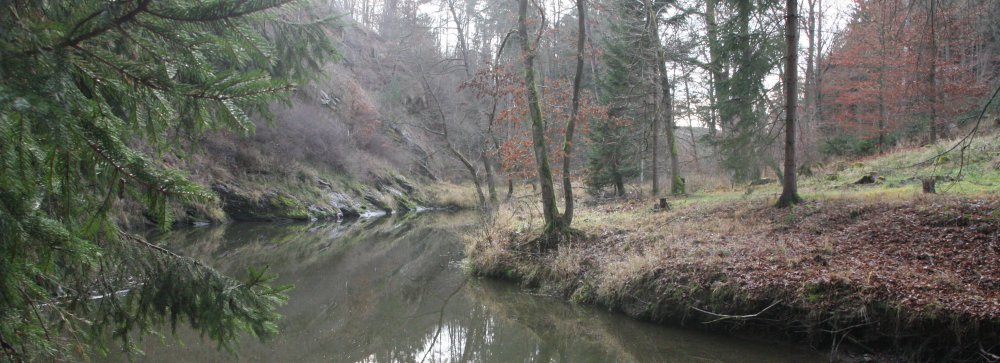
789,190
575,115
472,171
550,211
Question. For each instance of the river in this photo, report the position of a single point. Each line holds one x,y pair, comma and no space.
393,289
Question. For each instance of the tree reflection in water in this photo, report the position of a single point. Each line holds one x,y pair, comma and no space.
393,290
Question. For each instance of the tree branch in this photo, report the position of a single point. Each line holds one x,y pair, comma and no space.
725,317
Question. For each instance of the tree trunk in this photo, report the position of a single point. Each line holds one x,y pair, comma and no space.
818,87
575,112
656,145
694,141
472,170
491,185
510,189
653,34
461,39
676,180
719,76
932,74
789,189
593,66
550,211
882,116
808,143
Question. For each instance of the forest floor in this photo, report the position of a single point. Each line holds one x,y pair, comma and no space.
881,266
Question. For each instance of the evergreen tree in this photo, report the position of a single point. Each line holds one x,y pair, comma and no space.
744,54
613,152
86,87
627,88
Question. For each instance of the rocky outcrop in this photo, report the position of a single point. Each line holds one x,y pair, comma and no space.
377,200
340,200
271,206
345,204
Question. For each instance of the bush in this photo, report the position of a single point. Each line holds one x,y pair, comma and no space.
851,146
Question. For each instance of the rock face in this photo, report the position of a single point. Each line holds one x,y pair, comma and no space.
345,204
323,211
392,194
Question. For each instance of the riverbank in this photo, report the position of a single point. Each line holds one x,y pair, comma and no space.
911,277
307,195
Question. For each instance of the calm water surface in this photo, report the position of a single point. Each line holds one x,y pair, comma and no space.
393,290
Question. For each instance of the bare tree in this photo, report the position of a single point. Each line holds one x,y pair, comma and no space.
443,134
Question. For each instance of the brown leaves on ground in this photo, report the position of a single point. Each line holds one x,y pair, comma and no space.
930,254
940,254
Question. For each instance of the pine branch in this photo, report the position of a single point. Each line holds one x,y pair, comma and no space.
71,42
145,244
188,17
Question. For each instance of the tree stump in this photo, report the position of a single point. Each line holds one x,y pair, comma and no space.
662,205
930,185
871,178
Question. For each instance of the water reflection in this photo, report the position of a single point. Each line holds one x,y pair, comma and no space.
392,290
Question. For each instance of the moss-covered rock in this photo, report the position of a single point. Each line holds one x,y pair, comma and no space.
377,200
271,206
404,204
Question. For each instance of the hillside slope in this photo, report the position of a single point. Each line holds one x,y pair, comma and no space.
336,150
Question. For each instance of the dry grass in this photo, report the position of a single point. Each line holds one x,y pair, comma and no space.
447,194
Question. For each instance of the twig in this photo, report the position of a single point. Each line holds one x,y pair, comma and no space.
847,328
143,243
10,351
724,316
990,357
